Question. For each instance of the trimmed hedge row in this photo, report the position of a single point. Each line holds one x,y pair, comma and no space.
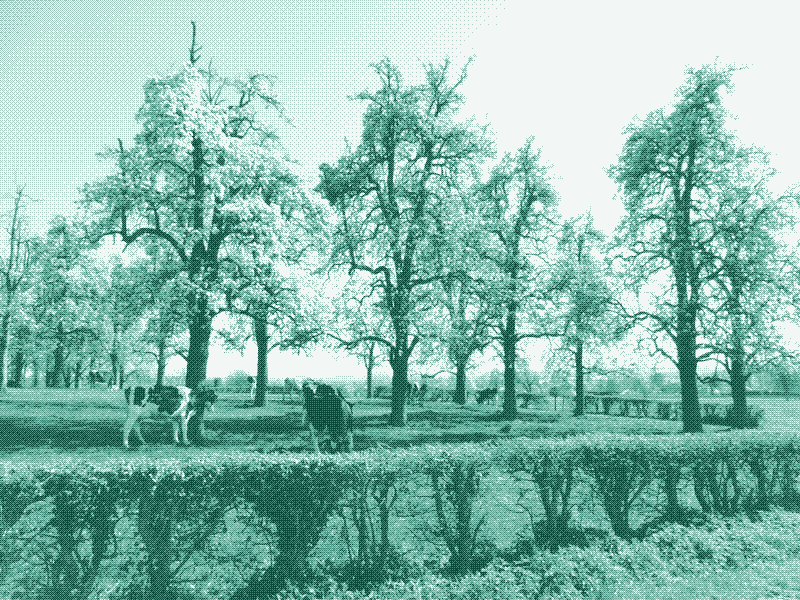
177,506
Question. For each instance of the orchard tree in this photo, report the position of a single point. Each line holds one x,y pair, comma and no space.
468,324
581,294
65,304
16,272
275,293
665,173
516,209
754,284
357,314
204,173
394,194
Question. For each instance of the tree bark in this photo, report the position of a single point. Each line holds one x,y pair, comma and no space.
116,381
399,363
19,368
199,338
738,393
579,378
461,382
686,283
262,347
370,366
509,362
57,375
161,361
4,339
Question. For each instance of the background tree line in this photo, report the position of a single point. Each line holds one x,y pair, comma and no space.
418,246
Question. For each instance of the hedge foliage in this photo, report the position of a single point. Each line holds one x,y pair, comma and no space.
177,507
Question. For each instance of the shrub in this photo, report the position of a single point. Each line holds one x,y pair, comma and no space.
238,383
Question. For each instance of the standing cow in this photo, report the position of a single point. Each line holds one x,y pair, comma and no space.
326,408
178,403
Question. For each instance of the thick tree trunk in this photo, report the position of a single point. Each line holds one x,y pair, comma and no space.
4,338
199,338
738,390
686,288
461,382
370,366
399,364
399,392
687,370
509,363
35,376
161,361
115,381
579,377
57,377
78,369
262,347
19,369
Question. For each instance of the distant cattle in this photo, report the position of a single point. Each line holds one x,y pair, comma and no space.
327,409
178,403
252,381
486,396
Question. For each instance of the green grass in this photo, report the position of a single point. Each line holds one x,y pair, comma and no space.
84,420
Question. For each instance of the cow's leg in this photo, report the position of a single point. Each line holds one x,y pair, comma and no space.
314,441
185,425
175,428
138,431
130,423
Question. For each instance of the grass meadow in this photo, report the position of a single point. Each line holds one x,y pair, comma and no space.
38,423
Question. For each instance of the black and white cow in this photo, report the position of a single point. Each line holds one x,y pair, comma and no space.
326,408
178,403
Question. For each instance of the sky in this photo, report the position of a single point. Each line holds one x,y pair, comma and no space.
572,74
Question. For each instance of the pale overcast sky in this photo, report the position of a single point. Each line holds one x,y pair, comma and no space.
573,74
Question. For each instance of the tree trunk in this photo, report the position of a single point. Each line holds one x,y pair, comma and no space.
4,338
199,338
114,355
399,364
370,366
509,363
262,346
78,369
461,382
161,361
738,393
57,376
35,382
686,284
579,377
687,370
19,368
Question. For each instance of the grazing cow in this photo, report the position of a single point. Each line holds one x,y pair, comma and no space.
486,396
326,408
179,404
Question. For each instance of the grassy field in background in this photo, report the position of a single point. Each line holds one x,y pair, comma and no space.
84,419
